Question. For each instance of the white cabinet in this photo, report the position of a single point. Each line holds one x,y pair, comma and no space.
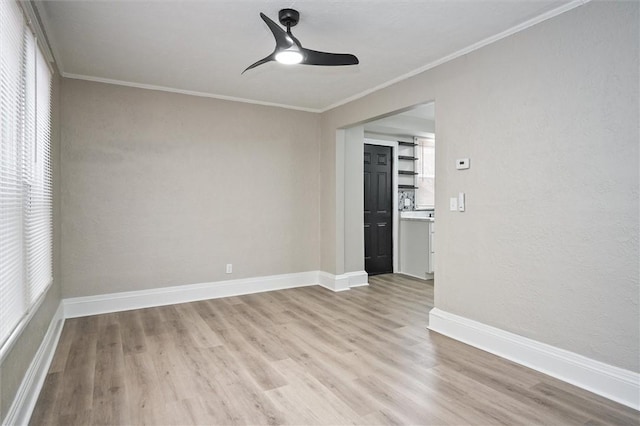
416,257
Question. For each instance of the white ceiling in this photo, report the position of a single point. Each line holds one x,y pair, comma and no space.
203,46
418,121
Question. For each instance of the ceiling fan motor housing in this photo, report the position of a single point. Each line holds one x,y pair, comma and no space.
289,17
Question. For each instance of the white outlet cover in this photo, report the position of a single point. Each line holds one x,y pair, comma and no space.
462,163
453,204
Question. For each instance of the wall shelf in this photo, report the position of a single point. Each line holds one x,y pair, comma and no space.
407,174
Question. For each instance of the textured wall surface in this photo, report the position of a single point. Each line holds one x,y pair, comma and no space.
18,359
161,189
354,199
548,246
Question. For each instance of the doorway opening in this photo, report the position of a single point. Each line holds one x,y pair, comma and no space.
400,240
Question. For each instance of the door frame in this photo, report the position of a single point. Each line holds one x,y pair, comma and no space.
394,195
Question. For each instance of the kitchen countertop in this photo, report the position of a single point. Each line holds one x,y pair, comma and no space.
416,215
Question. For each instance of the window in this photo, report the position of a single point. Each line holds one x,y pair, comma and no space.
25,171
426,168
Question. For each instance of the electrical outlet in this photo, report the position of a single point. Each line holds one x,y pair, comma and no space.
462,163
229,268
453,204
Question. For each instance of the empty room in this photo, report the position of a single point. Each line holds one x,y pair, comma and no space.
224,212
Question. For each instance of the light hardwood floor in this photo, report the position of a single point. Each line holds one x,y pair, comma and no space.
301,356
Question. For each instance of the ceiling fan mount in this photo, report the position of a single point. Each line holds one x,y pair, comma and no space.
289,50
289,17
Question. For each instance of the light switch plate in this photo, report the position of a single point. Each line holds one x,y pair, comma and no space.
453,204
461,201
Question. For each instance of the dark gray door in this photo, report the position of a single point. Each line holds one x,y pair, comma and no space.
378,205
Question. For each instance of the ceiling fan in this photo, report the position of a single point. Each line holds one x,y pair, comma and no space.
289,50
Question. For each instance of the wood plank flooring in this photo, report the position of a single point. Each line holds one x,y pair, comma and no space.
301,356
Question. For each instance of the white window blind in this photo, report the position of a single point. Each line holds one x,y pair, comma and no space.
25,170
38,197
12,291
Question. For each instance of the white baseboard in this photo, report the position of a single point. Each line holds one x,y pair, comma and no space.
343,282
358,279
611,382
27,395
125,301
333,282
425,277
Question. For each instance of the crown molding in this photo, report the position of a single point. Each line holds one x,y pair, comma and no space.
482,43
185,92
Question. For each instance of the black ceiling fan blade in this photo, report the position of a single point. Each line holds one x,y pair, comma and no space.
313,57
283,41
260,62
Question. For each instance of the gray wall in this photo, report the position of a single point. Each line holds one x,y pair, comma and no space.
354,199
548,246
18,359
162,189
